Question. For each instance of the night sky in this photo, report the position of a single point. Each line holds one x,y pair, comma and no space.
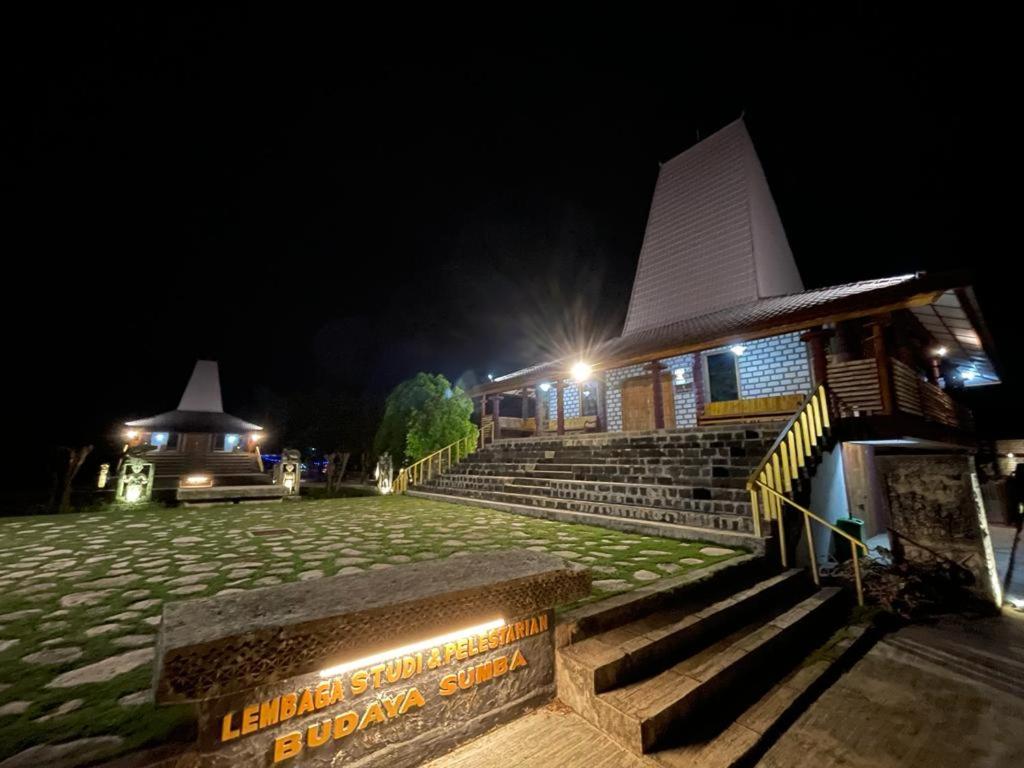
329,205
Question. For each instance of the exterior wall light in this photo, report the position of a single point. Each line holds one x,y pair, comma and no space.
131,434
545,386
737,349
581,371
940,351
490,377
680,375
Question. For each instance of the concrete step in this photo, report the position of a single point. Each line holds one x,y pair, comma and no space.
712,515
660,528
704,689
648,494
645,646
754,730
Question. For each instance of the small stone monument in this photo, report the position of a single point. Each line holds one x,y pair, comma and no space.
384,474
288,472
135,480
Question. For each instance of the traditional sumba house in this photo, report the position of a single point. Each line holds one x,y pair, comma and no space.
842,381
201,452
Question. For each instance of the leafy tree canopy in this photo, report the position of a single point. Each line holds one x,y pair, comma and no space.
421,415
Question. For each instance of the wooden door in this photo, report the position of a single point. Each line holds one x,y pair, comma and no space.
196,443
638,403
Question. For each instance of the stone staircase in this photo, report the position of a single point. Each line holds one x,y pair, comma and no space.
713,673
685,479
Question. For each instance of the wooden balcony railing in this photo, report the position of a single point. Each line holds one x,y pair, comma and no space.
857,391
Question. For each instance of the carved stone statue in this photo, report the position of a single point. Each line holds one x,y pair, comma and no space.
383,474
135,480
288,471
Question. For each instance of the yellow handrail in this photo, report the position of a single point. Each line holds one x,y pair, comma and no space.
789,454
808,516
441,460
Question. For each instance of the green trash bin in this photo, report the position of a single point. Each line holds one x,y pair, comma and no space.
852,526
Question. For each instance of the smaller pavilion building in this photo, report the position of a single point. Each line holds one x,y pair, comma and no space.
199,451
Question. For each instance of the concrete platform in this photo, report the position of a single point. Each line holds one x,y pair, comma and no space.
943,696
221,493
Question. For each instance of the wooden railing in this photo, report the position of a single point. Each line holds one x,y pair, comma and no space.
800,443
856,391
442,460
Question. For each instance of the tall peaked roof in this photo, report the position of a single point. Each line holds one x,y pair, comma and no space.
203,390
714,239
200,409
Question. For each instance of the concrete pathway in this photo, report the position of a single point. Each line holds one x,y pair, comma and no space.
944,696
930,696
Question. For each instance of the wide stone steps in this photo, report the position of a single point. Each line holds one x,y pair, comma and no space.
675,681
664,474
698,514
655,495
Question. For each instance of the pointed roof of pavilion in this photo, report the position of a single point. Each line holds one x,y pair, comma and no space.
200,408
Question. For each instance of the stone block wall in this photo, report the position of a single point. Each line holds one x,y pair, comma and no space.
570,400
777,365
936,500
683,398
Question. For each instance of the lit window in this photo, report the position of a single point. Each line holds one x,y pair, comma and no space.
228,443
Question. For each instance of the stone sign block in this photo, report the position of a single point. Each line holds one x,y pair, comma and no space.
401,664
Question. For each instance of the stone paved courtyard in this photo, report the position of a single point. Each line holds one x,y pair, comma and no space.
81,595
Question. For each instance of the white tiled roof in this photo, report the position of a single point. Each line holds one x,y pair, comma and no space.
714,239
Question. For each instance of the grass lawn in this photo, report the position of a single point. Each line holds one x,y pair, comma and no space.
81,594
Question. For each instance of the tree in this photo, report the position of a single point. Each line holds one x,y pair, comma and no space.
422,415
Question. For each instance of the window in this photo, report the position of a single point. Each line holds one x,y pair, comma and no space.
723,380
588,399
164,441
227,443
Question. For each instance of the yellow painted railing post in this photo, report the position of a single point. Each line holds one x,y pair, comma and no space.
813,561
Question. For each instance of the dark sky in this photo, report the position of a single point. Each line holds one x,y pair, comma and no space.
328,205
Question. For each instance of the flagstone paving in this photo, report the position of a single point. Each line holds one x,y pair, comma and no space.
81,595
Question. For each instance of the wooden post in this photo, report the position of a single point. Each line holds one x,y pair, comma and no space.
815,340
659,402
497,416
883,363
560,406
483,412
602,405
935,371
542,410
698,385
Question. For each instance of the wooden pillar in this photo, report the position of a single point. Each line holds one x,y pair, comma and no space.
599,393
815,340
483,412
935,371
655,369
560,406
883,364
698,385
542,409
497,416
